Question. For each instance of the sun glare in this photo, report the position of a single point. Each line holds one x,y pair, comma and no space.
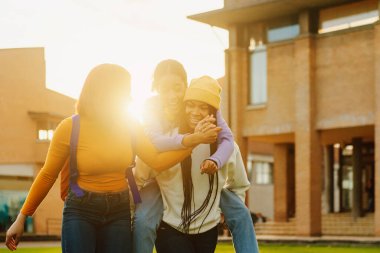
141,83
143,42
135,110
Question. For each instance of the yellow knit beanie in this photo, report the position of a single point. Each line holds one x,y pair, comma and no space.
204,89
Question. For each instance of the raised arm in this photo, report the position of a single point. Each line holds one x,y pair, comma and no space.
158,129
225,142
151,156
164,142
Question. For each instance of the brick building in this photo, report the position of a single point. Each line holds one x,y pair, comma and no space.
29,114
302,93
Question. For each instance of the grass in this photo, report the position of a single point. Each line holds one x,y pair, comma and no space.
227,248
34,250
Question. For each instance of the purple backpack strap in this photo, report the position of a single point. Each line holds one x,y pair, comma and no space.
74,170
73,157
129,173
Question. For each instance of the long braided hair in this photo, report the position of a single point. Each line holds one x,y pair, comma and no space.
187,215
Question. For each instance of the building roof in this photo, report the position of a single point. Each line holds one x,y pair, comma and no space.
256,10
46,116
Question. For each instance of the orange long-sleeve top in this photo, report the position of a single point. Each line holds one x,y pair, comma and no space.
103,154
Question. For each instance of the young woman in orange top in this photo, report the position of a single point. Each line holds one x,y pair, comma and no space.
98,220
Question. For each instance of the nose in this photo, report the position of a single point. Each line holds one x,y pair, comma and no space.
172,95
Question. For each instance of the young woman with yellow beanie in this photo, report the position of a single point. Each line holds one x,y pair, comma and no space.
96,216
164,112
191,199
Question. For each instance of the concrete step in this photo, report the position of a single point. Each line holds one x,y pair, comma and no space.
332,224
273,224
364,224
276,228
344,224
346,216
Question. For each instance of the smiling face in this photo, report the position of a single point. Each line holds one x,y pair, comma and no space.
171,90
195,111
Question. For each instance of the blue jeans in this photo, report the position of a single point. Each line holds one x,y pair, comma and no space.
239,221
170,240
97,223
148,216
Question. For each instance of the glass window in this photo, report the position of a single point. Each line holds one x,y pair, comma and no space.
283,33
50,134
258,90
347,16
45,135
263,172
45,130
348,150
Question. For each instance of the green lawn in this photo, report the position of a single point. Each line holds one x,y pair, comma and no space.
227,248
34,250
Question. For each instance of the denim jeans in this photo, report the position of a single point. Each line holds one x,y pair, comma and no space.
97,223
148,216
170,240
239,221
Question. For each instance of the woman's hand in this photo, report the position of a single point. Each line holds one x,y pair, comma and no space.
205,124
205,132
209,166
209,136
15,232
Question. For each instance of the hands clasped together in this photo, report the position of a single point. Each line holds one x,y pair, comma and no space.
208,132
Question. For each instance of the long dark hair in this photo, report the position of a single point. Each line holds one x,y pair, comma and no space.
187,215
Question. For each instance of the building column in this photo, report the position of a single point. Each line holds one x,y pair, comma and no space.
377,125
308,158
237,56
281,193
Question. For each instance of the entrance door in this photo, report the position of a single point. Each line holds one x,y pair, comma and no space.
368,175
343,178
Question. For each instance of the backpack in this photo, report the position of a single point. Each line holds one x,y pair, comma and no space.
69,172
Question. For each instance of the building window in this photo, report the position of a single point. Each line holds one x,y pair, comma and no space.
263,172
283,33
258,83
45,130
348,16
45,134
45,124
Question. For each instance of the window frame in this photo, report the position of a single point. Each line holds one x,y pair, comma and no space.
347,21
262,80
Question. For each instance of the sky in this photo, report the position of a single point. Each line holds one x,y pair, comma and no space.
136,34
